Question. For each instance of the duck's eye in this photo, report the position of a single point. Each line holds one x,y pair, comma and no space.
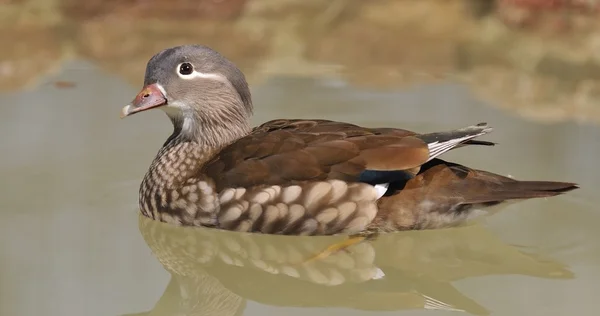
186,69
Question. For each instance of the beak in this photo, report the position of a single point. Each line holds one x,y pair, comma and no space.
150,97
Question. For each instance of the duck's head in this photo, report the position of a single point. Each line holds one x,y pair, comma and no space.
198,88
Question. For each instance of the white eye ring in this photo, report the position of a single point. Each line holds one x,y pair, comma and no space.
185,70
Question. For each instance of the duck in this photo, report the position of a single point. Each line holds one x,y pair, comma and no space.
301,176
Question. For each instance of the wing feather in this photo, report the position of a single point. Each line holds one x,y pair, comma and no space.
289,151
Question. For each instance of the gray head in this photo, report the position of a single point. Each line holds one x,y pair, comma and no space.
203,93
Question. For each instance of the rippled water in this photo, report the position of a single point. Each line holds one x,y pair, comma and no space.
71,242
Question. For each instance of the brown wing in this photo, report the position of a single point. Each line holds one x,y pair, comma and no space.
327,126
291,151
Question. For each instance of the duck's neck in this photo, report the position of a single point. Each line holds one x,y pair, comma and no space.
195,140
210,132
177,168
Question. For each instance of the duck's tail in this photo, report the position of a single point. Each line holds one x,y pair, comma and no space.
445,194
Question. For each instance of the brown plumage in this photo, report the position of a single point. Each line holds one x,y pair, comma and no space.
313,177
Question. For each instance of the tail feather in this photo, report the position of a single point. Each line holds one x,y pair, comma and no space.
477,142
549,187
479,186
518,190
441,142
445,194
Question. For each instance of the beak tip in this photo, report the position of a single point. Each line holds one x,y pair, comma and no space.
125,111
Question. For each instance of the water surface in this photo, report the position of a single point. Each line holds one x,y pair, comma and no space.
72,243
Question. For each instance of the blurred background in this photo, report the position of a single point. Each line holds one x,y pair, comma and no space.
538,58
71,242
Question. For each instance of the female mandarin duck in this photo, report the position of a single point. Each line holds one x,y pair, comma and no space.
305,177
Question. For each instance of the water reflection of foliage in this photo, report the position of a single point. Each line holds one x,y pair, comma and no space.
383,44
214,272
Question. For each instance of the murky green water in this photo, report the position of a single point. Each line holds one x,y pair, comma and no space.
71,242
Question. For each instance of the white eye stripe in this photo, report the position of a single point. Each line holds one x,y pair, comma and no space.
196,74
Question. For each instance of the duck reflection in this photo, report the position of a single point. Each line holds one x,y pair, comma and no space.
214,272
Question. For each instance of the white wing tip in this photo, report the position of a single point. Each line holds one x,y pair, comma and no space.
432,303
381,189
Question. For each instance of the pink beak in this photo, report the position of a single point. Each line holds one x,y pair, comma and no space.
150,97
